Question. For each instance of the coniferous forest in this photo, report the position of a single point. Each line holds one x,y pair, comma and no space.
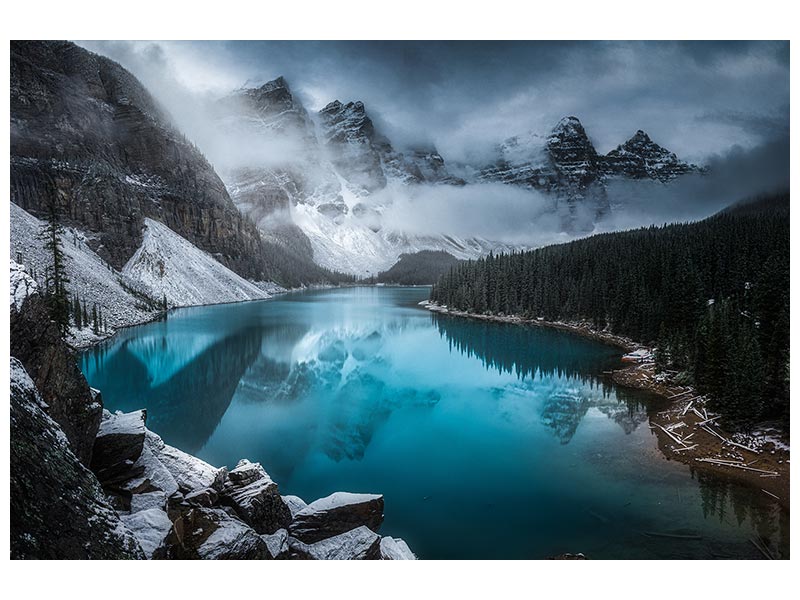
712,296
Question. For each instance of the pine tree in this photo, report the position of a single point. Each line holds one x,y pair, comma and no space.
56,279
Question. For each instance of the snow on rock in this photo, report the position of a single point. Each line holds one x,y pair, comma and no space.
256,498
90,276
22,285
295,504
395,549
211,533
360,543
150,527
68,516
170,266
118,445
335,514
188,472
148,501
277,544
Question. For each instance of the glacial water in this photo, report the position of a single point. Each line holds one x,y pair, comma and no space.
487,440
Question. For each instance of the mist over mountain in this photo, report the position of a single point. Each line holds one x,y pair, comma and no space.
352,166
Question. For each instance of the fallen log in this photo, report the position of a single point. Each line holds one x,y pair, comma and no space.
676,440
676,536
692,447
734,465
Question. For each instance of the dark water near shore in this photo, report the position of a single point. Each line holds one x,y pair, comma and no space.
488,440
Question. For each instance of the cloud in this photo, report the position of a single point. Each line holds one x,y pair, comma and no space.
724,104
466,96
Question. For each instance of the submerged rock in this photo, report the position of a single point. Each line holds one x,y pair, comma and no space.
256,498
395,549
58,510
360,543
338,513
210,533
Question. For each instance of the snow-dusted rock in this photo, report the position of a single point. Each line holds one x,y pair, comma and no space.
295,504
188,472
255,498
360,543
150,527
277,544
57,508
210,533
148,501
395,549
118,446
22,286
338,513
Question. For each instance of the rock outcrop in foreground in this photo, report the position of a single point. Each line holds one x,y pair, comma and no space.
58,509
179,507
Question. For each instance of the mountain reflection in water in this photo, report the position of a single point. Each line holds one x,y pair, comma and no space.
488,440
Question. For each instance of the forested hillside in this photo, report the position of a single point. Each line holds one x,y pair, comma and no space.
712,295
420,268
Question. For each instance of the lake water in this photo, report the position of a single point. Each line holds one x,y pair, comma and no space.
487,440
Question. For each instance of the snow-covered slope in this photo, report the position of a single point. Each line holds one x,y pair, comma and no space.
167,265
96,282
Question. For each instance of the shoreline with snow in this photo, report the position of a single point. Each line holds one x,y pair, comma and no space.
759,460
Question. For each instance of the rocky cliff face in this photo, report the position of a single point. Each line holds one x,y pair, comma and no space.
36,343
58,510
86,135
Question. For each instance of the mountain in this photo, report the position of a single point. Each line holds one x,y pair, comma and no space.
88,136
641,158
566,165
319,185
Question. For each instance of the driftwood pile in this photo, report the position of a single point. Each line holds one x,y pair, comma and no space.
681,433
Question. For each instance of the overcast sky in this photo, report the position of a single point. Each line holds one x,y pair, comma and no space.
698,99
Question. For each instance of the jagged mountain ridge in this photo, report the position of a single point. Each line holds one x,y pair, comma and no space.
567,165
330,194
321,195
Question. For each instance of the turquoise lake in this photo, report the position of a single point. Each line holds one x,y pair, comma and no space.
487,440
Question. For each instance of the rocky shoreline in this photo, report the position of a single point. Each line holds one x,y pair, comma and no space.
685,429
86,483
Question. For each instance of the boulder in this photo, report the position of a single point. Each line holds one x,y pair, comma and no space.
295,504
167,466
338,513
150,526
395,549
360,543
256,498
118,446
210,533
277,544
57,507
148,500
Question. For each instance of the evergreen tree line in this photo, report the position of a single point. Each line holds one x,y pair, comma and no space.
82,317
713,296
